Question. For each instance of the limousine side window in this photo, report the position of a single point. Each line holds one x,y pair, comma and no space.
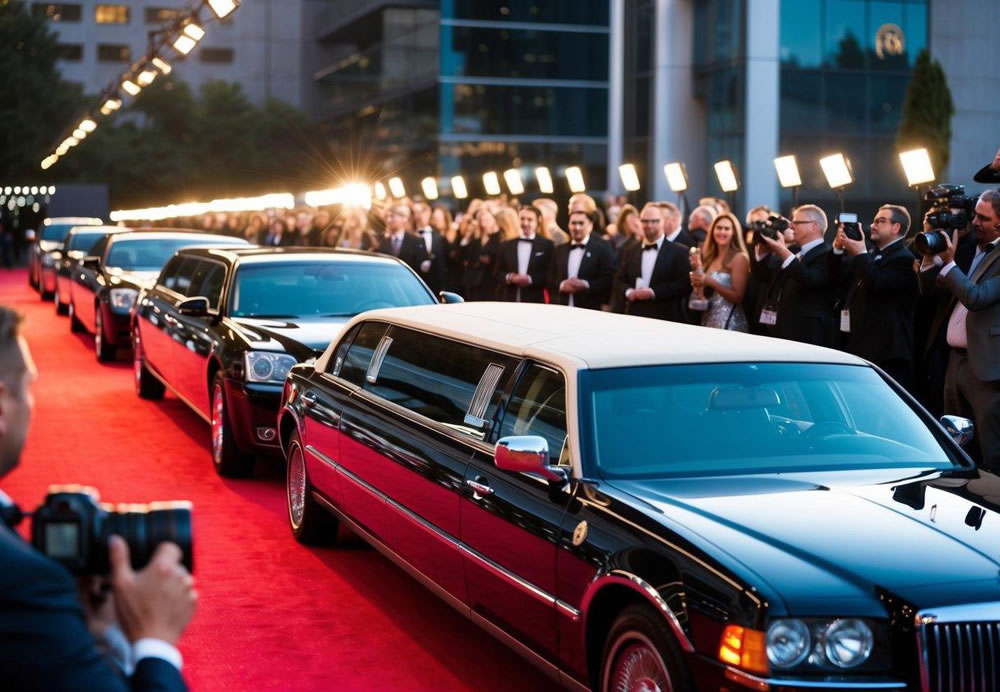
435,377
538,407
177,277
337,362
207,282
359,355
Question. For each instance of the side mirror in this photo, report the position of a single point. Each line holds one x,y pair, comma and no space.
527,454
960,429
92,262
449,298
193,307
29,235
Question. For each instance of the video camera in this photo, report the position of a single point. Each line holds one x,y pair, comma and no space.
951,209
768,228
72,528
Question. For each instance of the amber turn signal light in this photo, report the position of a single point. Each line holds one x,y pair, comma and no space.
744,648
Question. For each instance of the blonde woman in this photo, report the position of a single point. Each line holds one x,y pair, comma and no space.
510,228
355,233
723,266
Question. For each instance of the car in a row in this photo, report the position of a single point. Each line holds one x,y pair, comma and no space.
47,241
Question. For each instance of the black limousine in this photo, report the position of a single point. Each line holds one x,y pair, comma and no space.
79,243
222,327
641,505
106,282
48,240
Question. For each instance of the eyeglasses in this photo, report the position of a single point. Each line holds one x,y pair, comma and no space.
651,222
880,219
796,223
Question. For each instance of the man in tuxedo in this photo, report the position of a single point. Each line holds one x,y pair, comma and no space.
672,228
46,644
584,268
876,317
399,241
432,270
972,381
654,275
799,288
524,263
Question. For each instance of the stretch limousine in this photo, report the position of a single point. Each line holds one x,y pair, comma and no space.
635,504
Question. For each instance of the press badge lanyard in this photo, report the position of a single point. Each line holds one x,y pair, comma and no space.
769,315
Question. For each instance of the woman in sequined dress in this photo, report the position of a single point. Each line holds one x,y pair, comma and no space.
725,266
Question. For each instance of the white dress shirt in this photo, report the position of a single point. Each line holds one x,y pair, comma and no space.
648,262
802,253
428,235
957,335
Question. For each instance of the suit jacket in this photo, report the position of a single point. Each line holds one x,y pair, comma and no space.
882,298
435,276
596,267
618,301
669,281
539,269
803,295
412,250
45,641
931,290
685,238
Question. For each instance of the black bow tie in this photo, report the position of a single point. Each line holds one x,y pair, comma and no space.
575,246
526,240
654,246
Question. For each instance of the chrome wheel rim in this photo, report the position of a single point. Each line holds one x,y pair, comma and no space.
218,429
137,360
98,329
296,486
638,667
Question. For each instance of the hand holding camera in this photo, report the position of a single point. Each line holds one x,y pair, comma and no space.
952,210
849,235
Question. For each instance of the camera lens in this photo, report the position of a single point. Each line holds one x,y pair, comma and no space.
145,527
930,243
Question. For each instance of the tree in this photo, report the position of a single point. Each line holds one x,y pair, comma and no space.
927,112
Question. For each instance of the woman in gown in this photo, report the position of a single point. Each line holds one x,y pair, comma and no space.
721,271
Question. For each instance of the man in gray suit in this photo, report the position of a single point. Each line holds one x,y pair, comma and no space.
972,381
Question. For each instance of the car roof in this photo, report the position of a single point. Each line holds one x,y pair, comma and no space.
73,221
98,229
178,233
269,255
577,338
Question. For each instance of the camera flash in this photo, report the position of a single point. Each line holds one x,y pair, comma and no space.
917,166
788,171
837,170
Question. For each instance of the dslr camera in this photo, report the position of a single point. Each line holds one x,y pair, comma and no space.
768,228
951,209
72,527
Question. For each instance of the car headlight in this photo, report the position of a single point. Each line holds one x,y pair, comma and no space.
264,366
788,643
848,643
122,299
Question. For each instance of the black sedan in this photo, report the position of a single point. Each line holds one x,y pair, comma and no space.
48,240
79,242
106,282
222,327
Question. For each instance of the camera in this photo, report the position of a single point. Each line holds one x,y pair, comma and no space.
73,528
852,229
951,209
768,228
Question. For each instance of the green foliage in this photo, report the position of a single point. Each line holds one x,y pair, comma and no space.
927,112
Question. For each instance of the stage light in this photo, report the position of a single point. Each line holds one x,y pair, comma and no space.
52,189
62,149
194,31
917,166
131,87
222,7
146,77
512,177
17,189
48,162
837,170
458,188
71,141
677,177
110,106
79,134
380,192
630,179
544,179
430,188
491,181
397,188
184,44
88,125
726,174
7,190
788,171
34,188
574,176
162,65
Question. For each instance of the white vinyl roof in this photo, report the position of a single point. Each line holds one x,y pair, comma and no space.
577,338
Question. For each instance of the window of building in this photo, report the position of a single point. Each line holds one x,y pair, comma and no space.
111,14
113,52
58,12
216,55
528,110
551,11
510,53
161,15
72,52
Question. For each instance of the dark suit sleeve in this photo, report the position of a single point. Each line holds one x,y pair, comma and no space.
892,277
813,275
621,281
600,285
764,268
502,265
541,266
674,283
928,283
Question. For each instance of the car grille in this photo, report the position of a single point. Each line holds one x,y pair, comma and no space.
960,656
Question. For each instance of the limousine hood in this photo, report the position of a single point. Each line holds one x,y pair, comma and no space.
838,538
303,338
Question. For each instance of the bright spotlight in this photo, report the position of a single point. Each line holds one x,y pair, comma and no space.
194,31
184,44
726,174
677,177
630,179
837,170
222,7
544,178
52,189
131,87
71,141
396,187
574,176
62,149
492,183
788,171
17,189
34,188
512,177
79,134
47,163
110,106
917,166
88,125
430,188
162,65
380,192
458,187
7,190
146,77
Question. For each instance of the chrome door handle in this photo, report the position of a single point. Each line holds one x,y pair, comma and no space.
308,398
480,490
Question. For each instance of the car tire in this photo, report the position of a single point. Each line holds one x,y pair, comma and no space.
146,384
311,524
75,325
641,652
227,459
105,352
61,307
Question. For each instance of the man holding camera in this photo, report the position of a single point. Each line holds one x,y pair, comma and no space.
876,317
972,380
46,644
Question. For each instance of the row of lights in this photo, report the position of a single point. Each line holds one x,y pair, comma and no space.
277,200
142,74
28,190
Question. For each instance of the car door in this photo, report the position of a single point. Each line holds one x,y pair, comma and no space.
194,335
510,521
420,403
151,323
84,286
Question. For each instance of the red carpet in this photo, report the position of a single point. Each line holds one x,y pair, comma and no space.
273,615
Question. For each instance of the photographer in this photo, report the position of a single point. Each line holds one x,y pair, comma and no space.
799,288
876,317
46,644
972,380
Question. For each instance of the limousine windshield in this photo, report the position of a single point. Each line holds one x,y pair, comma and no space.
741,418
329,289
140,254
